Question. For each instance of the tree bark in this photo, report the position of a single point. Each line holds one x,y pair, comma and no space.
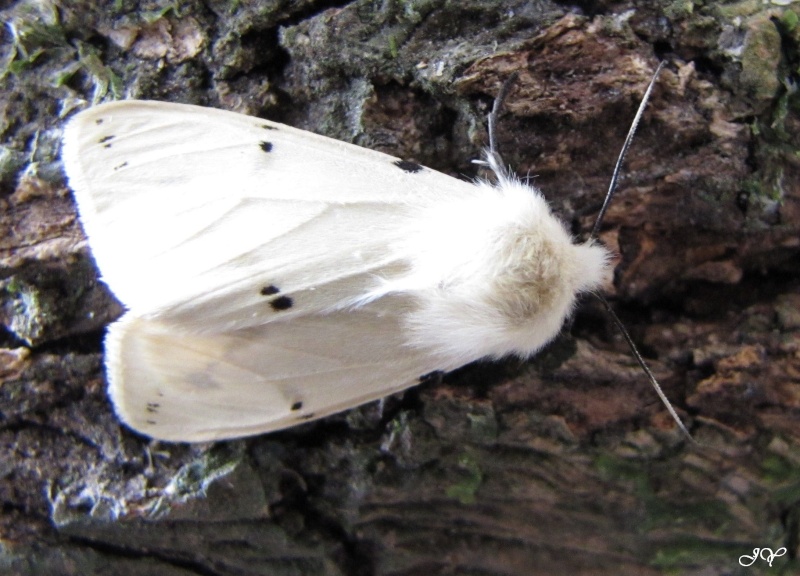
567,463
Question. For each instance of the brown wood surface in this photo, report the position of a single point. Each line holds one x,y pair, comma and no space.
567,464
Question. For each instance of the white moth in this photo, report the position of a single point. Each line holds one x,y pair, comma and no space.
273,276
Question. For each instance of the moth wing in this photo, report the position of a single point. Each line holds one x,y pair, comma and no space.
194,387
196,214
240,246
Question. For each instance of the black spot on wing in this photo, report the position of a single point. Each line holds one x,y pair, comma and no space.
106,141
308,416
120,166
435,376
151,422
281,303
266,146
98,121
406,166
153,407
297,406
268,127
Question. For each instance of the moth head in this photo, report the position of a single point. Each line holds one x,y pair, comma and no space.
594,267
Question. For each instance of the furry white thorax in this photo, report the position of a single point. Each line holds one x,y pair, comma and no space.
493,273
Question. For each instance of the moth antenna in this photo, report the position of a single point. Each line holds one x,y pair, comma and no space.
595,230
646,369
496,107
612,187
493,158
495,162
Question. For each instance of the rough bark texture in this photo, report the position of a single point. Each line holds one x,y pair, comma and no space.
567,464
